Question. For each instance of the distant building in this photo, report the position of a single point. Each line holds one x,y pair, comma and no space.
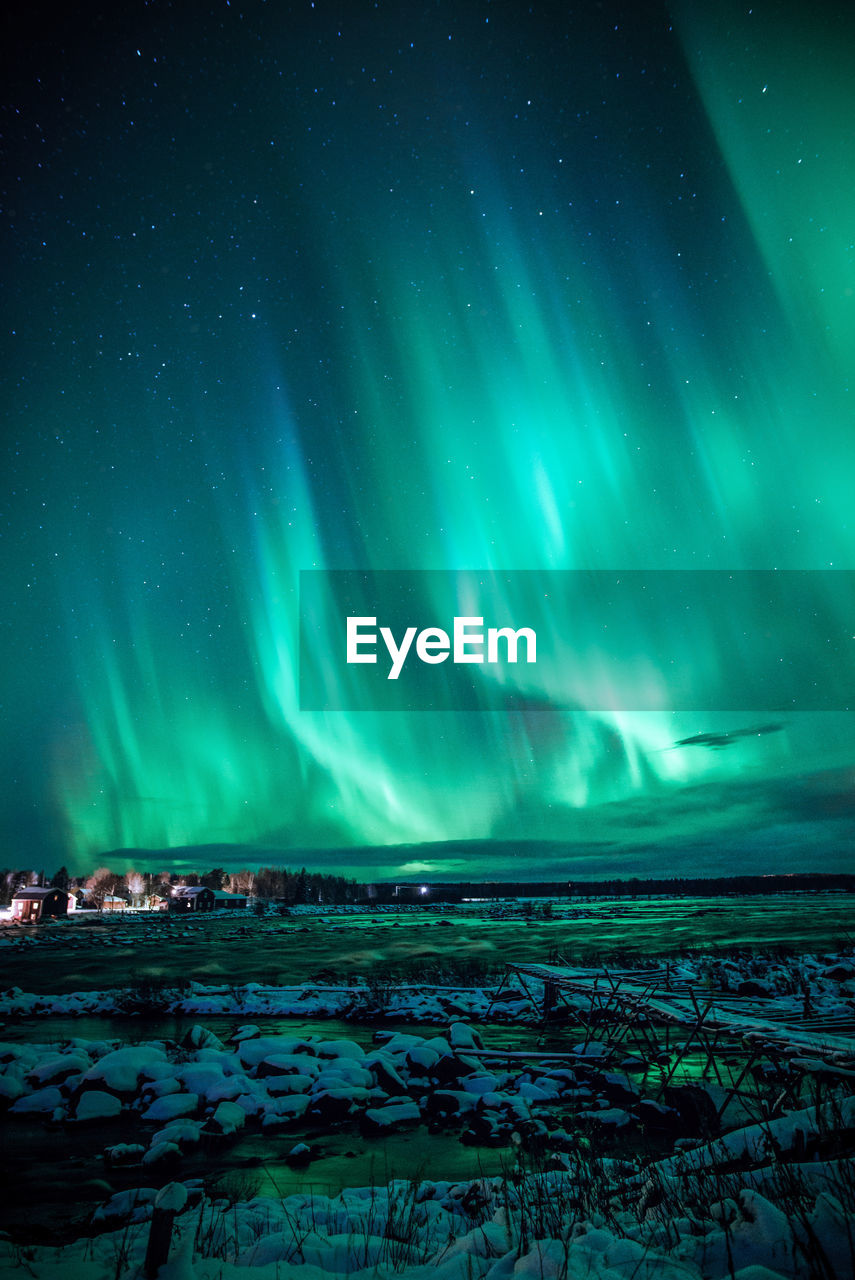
229,901
199,897
195,897
31,906
113,902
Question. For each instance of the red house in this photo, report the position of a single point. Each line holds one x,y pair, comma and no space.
30,906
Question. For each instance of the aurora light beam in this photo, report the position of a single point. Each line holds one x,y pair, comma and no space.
473,287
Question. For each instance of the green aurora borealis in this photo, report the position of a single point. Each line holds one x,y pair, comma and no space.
443,286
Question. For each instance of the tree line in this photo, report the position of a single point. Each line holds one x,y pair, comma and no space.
142,888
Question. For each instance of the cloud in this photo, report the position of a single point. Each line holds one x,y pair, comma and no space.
729,737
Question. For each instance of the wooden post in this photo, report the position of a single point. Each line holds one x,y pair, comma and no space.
169,1201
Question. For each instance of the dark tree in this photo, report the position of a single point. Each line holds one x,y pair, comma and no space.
301,888
60,879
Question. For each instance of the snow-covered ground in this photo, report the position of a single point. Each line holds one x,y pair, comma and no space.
542,1226
610,1170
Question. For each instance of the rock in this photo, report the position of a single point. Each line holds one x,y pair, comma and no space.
331,1106
561,1140
228,1118
448,1103
421,1060
45,1101
535,1092
593,1049
462,1036
183,1132
199,1037
172,1106
452,1067
385,1074
439,1043
11,1088
95,1104
127,1206
166,1154
751,987
607,1118
160,1088
340,1049
124,1153
487,1130
254,1051
282,1112
121,1070
839,972
172,1198
246,1032
483,1083
278,1085
299,1156
564,1077
696,1109
635,1066
656,1117
199,1077
395,1115
344,1073
284,1064
55,1069
618,1088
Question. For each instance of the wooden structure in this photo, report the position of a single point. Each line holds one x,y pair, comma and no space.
114,902
30,906
641,1009
196,897
229,901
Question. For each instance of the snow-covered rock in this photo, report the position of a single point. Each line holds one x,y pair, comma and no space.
46,1100
96,1104
124,1153
228,1117
171,1106
122,1069
395,1115
56,1068
167,1153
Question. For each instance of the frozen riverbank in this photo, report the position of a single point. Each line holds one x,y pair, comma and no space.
594,1147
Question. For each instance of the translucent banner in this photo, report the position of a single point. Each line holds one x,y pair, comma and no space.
586,640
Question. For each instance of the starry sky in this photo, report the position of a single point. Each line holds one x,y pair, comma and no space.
460,285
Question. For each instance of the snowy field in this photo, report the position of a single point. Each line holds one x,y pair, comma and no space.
446,942
689,1118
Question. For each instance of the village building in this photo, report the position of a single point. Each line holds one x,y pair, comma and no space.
30,906
199,897
229,901
192,897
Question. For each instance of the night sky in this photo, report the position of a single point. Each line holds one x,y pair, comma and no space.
457,285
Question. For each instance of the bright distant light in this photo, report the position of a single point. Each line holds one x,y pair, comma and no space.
423,888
